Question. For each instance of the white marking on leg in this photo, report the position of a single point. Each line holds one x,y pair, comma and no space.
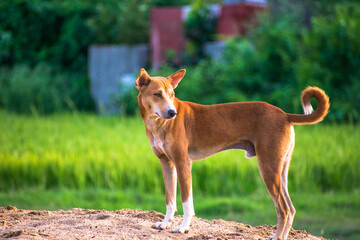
170,212
188,208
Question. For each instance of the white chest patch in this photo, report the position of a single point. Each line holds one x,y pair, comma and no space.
158,144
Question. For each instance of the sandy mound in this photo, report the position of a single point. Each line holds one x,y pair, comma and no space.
123,224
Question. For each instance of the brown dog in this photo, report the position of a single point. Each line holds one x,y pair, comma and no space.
180,132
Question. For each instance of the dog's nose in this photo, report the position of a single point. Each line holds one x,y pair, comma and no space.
172,112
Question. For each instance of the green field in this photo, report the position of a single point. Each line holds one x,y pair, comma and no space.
82,160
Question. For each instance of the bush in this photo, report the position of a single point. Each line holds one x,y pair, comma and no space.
279,59
199,27
40,91
121,22
257,68
58,34
45,31
43,45
127,101
330,58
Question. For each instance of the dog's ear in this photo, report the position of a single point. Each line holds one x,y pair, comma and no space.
143,80
176,77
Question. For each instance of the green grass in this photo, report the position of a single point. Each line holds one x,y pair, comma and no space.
75,151
107,162
80,151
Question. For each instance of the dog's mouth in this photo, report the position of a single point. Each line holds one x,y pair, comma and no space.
167,117
170,117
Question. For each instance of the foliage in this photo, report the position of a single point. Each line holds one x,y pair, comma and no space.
40,90
42,31
278,59
43,55
274,63
58,34
121,22
166,3
125,22
257,68
260,67
127,101
330,58
200,27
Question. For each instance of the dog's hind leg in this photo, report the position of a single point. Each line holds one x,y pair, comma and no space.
284,179
169,175
271,167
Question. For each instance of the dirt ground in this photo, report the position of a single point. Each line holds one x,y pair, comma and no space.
122,224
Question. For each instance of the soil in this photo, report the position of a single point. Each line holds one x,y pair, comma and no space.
122,224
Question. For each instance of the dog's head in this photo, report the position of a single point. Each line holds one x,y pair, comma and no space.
157,93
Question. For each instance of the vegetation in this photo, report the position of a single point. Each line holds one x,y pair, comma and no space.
330,58
39,51
279,59
316,44
57,34
81,151
81,160
41,90
200,27
74,159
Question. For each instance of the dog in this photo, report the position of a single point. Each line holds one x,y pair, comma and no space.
180,132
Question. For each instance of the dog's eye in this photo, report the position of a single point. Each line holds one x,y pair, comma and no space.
158,95
172,94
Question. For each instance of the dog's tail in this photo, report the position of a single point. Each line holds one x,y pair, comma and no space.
311,116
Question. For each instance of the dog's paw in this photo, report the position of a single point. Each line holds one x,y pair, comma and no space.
181,229
273,238
161,225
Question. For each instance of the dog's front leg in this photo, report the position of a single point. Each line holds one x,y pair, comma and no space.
169,174
183,169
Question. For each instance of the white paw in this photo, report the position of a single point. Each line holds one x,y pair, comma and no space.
161,225
272,238
181,229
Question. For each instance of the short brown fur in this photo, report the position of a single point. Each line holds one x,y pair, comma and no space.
198,131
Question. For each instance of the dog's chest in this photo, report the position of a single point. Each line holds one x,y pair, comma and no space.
158,145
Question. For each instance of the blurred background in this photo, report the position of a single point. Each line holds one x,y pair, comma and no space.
70,130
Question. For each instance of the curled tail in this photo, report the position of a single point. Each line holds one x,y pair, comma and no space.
311,116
